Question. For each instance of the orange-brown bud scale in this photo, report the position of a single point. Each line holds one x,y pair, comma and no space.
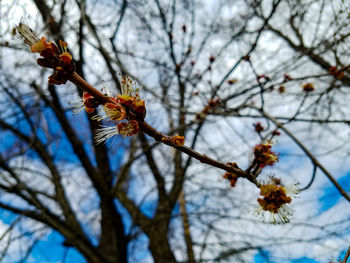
126,100
57,78
166,139
178,140
43,62
66,57
47,53
139,108
90,103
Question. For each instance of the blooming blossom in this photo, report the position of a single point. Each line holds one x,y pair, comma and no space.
105,133
51,56
128,128
130,96
275,200
113,111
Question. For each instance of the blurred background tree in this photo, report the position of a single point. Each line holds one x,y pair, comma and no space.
228,75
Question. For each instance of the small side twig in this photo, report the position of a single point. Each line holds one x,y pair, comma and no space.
346,256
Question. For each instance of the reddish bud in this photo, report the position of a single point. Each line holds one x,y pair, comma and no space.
231,81
333,70
140,108
286,77
276,133
281,89
58,78
90,103
258,127
47,52
230,177
308,87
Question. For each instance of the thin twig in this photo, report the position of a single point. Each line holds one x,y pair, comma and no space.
160,137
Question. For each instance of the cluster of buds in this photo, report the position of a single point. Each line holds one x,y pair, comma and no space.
123,107
126,106
335,72
211,104
53,57
275,200
231,177
263,155
308,87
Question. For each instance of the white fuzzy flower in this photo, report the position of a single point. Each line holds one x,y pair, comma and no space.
105,133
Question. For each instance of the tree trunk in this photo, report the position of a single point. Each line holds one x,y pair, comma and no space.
159,244
113,243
